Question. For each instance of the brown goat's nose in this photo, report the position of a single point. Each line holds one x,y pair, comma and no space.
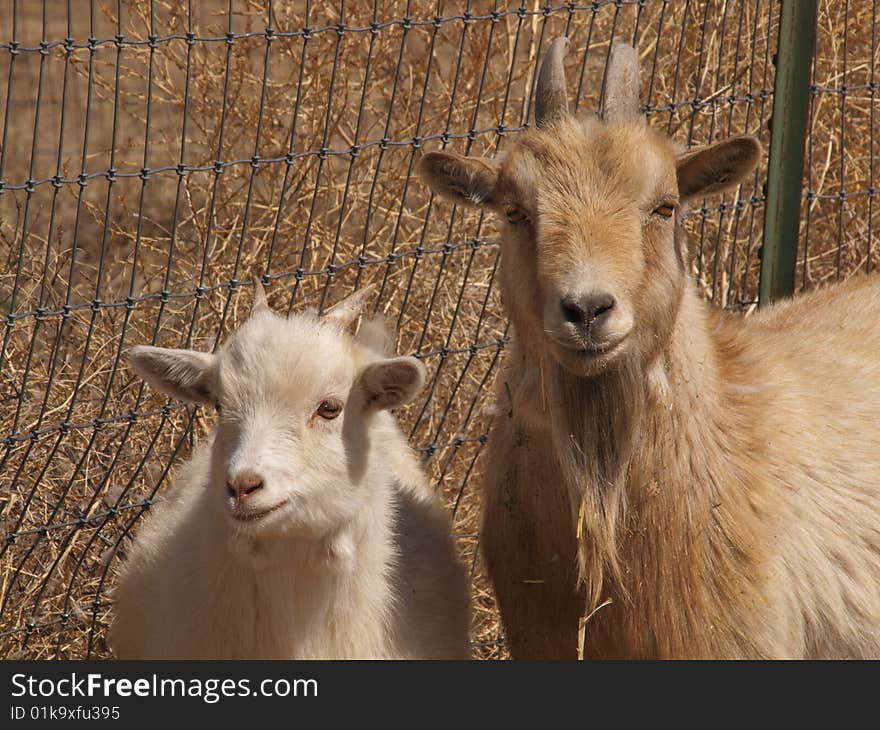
243,485
585,311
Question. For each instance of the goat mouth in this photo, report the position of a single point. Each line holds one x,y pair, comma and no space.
589,351
589,359
597,350
254,515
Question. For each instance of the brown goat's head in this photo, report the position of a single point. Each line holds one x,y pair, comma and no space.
591,266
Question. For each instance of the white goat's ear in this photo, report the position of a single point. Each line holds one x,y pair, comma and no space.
716,167
183,374
468,181
390,383
343,313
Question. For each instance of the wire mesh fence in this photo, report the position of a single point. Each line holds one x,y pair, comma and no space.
839,212
157,154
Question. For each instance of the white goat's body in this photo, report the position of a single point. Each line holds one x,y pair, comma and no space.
305,527
388,587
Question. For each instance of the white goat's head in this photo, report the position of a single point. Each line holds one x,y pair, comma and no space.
295,396
591,260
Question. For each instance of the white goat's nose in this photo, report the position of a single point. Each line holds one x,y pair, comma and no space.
243,485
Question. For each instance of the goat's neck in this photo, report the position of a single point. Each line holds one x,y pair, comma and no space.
597,424
623,442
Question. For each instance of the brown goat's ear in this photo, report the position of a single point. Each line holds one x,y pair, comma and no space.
186,375
716,167
390,383
464,180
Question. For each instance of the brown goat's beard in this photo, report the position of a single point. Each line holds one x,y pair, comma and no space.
596,429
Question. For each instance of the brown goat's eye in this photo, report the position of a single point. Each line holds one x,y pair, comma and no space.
329,409
665,209
218,408
516,216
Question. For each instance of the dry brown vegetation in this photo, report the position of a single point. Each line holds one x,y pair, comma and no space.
77,465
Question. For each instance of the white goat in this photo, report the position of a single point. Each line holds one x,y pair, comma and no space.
304,527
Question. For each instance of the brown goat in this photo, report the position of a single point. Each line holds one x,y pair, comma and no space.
715,477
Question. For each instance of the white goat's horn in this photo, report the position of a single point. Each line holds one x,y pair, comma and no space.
260,303
551,101
343,313
620,100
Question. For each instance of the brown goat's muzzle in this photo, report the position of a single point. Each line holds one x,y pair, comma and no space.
588,330
590,360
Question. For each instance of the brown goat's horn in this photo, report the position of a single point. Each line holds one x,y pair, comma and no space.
551,101
620,101
260,303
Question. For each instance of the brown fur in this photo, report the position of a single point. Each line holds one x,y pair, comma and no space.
714,476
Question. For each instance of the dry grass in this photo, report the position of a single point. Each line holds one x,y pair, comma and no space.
112,240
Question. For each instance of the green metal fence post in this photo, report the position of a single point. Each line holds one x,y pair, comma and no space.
791,90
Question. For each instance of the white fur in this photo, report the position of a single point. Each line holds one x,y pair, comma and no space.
357,563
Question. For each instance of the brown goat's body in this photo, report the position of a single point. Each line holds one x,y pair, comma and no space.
689,483
747,523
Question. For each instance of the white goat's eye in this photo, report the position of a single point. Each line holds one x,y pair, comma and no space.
329,409
218,408
516,216
665,209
